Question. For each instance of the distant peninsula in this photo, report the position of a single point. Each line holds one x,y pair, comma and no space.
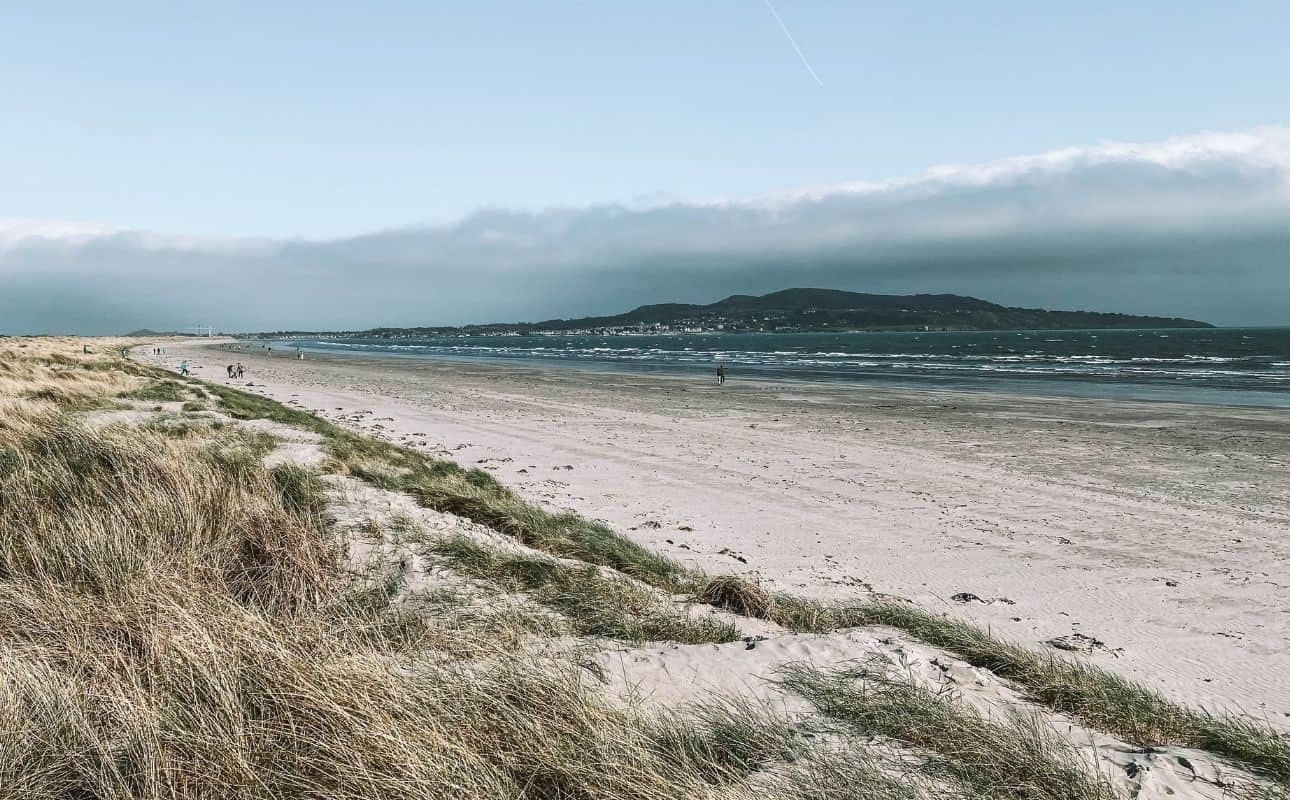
812,310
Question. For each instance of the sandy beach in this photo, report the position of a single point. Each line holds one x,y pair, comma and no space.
1154,538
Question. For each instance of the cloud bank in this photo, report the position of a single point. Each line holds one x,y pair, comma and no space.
1195,226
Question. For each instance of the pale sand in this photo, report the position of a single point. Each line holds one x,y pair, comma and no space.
1160,530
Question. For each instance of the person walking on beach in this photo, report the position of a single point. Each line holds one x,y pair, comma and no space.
240,371
183,367
721,374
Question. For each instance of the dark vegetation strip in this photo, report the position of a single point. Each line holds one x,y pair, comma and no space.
162,391
1099,698
596,605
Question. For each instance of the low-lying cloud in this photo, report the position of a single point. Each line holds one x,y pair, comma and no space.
1195,226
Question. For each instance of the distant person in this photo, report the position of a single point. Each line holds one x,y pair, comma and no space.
231,370
721,374
300,354
183,367
240,370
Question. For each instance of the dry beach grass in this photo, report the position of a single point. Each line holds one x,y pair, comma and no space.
181,622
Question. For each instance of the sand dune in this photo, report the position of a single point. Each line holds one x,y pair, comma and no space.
1152,537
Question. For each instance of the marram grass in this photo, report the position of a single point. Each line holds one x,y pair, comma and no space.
181,626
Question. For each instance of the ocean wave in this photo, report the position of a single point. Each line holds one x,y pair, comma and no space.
1214,359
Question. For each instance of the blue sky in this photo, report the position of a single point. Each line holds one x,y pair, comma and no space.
326,119
354,165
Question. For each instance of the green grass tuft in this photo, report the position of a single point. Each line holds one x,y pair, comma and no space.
1015,757
727,740
595,604
160,391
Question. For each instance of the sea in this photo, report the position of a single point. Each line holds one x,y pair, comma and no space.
1220,366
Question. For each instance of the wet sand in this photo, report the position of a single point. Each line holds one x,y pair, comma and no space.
1155,536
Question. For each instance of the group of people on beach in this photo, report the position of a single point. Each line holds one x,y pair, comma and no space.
236,370
158,351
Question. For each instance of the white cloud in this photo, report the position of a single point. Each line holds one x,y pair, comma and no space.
15,232
1193,225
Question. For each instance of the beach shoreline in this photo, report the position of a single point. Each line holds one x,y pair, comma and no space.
1225,367
1157,530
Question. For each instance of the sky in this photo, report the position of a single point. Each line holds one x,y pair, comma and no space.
330,165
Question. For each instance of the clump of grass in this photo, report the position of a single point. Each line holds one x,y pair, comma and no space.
852,773
737,595
743,596
56,395
302,491
192,406
726,740
556,741
161,391
563,534
378,614
453,626
1017,757
244,405
595,604
81,506
404,528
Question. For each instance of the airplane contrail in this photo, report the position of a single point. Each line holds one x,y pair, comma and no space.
793,42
